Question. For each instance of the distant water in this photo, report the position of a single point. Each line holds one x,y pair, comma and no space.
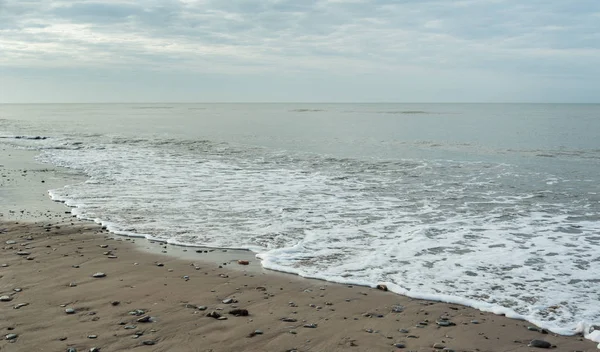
493,206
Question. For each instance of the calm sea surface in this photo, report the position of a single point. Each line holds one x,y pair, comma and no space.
496,206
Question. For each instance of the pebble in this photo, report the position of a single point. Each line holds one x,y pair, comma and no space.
149,342
23,253
438,346
5,298
222,318
98,275
229,301
18,306
71,349
72,284
289,320
444,323
540,344
202,307
130,327
399,345
11,242
95,349
11,336
145,319
311,326
243,262
239,312
70,311
213,314
160,264
92,336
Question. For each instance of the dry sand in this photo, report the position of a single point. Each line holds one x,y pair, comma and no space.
47,267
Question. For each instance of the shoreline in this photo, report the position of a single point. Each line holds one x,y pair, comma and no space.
465,335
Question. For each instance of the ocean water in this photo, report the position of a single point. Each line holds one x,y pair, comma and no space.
496,206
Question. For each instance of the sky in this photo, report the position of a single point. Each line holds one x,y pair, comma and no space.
299,51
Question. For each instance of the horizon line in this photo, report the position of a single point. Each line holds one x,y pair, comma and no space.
286,102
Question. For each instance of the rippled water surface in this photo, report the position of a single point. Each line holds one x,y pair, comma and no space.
494,206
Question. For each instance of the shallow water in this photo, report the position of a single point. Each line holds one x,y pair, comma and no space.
494,206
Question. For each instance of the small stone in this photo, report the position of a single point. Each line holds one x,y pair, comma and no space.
222,318
23,253
70,311
99,275
202,308
160,264
310,326
92,336
540,344
145,319
95,349
239,312
382,287
103,246
243,262
5,298
370,331
438,346
71,349
18,306
17,290
130,327
149,342
404,331
72,284
258,332
229,301
115,303
213,314
11,336
444,323
399,345
112,257
289,320
474,322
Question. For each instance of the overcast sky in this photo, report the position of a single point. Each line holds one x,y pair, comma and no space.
295,50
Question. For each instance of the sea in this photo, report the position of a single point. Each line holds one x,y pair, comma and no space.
494,206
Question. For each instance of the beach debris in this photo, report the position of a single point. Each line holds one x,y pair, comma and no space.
540,344
11,336
229,301
243,262
23,253
239,312
95,349
11,242
399,345
99,275
5,298
382,287
20,305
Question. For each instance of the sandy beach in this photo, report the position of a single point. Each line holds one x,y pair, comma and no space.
69,285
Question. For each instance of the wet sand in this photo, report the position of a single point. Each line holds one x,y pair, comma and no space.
148,300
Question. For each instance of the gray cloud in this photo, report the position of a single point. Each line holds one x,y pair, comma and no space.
342,37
